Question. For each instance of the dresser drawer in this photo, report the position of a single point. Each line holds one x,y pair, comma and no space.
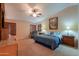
68,40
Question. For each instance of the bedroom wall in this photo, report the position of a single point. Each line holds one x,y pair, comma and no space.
66,17
78,26
22,29
78,36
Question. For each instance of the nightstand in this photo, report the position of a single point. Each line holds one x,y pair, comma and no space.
68,40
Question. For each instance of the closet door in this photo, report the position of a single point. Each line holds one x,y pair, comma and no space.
12,27
6,25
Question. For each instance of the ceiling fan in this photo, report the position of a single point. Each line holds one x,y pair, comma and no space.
35,12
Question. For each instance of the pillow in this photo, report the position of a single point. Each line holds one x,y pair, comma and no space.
58,34
47,33
51,33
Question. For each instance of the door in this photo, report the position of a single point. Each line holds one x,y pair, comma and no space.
12,28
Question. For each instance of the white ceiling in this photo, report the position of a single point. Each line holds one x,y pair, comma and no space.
18,11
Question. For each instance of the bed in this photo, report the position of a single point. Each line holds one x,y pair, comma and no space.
52,41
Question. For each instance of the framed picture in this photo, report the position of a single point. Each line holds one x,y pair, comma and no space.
39,27
32,27
53,23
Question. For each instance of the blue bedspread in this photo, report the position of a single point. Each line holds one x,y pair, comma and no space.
52,41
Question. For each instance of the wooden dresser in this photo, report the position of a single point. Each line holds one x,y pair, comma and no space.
69,40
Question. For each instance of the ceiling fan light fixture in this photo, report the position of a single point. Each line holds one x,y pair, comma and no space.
34,15
35,12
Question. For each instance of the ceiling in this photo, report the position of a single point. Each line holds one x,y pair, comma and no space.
19,11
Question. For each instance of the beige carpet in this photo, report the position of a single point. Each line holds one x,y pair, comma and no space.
27,47
64,50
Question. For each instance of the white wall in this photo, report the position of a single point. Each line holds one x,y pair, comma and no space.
66,17
78,26
22,29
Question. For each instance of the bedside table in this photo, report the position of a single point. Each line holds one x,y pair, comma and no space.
68,40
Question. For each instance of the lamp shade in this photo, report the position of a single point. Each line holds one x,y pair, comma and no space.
68,28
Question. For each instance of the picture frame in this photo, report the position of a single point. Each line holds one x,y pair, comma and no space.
39,27
32,27
53,23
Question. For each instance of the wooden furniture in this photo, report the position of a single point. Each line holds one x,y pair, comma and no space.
1,19
9,50
11,27
6,25
68,40
4,34
9,47
0,34
2,11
